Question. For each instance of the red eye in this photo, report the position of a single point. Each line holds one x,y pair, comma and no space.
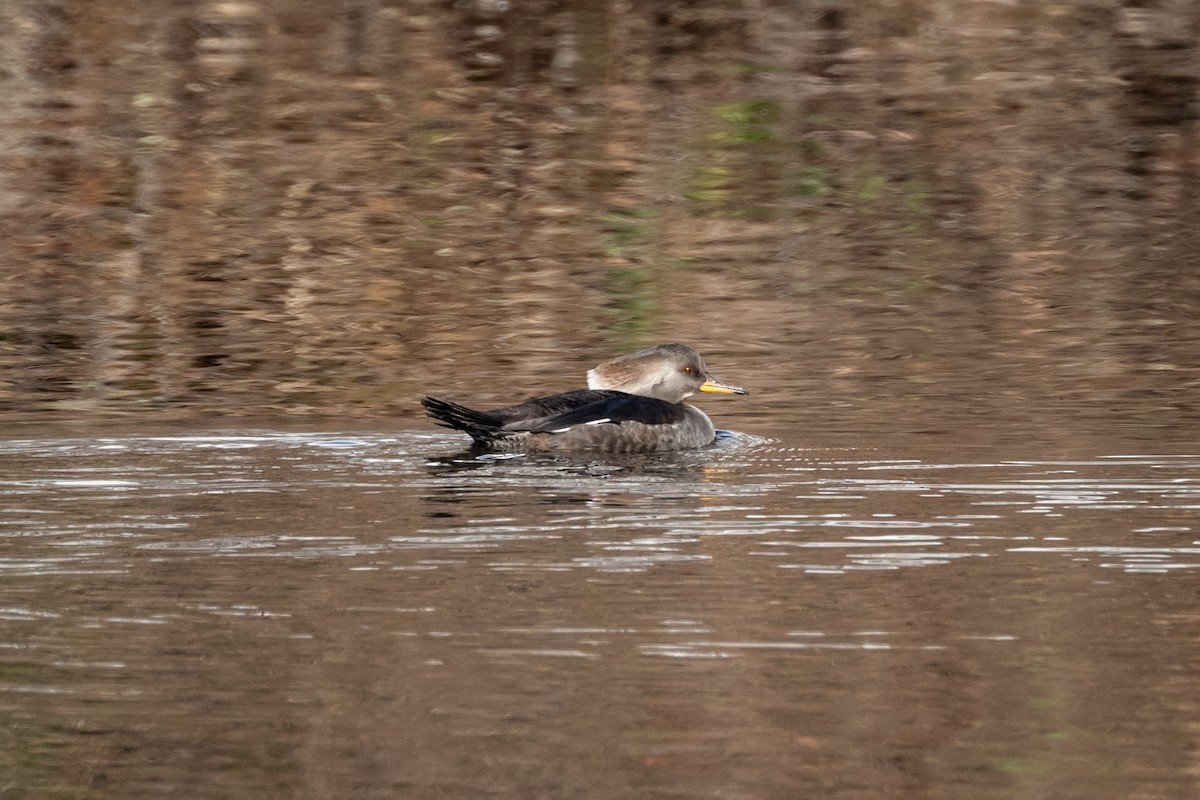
689,371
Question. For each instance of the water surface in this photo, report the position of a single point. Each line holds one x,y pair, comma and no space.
267,613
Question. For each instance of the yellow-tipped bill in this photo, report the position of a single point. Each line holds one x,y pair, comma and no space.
721,388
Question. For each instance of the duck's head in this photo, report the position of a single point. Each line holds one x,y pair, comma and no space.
670,372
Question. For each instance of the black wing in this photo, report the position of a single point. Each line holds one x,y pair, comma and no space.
490,426
537,408
618,407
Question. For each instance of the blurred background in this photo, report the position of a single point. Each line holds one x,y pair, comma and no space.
869,212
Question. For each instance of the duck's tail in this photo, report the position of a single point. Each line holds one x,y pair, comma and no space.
483,427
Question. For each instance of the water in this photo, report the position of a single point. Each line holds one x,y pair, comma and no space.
949,245
330,206
277,613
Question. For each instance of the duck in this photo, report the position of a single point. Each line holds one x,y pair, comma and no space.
633,404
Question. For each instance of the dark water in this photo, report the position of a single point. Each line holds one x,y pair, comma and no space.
264,613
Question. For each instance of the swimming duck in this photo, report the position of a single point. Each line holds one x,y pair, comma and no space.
633,404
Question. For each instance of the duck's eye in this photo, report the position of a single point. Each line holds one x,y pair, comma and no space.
689,370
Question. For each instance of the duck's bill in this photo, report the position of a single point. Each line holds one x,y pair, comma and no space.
721,388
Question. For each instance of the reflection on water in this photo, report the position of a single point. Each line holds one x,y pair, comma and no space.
330,206
370,614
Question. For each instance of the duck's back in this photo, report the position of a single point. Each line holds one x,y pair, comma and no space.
602,421
506,428
551,405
